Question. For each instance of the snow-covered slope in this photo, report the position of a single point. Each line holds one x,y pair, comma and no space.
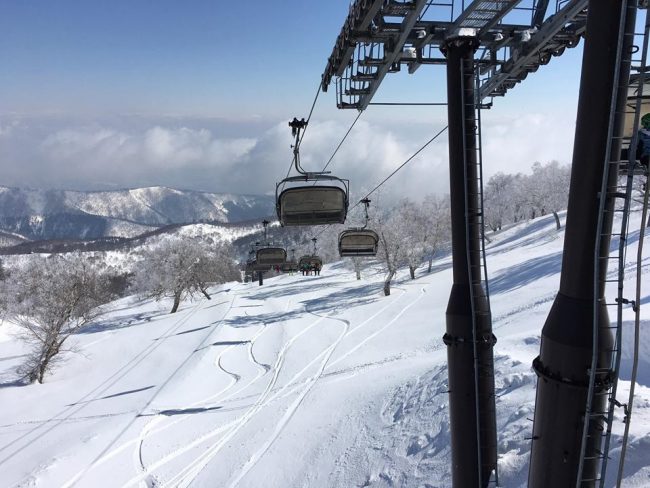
10,239
55,214
303,382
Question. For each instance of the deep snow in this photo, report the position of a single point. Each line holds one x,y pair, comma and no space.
303,382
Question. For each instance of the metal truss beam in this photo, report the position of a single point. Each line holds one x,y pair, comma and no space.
484,14
563,29
381,35
361,14
393,51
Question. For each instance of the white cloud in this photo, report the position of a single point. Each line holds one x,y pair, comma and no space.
512,144
99,156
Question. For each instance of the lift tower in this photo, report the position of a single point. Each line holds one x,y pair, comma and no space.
487,46
574,370
468,337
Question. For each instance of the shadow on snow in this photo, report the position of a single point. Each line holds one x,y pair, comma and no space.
525,273
114,395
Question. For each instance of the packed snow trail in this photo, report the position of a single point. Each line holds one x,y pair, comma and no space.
302,388
187,359
237,425
268,394
95,393
161,417
293,407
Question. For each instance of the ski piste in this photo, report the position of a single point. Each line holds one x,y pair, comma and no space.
313,381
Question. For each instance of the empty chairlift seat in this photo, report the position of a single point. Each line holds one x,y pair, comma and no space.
270,256
358,242
310,204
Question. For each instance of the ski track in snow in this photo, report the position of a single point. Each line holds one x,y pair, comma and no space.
187,474
109,454
293,407
234,380
74,408
302,388
265,368
359,344
234,426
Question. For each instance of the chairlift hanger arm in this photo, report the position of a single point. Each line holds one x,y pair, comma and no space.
296,127
366,203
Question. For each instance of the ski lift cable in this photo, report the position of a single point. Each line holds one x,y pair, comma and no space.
404,164
425,11
342,141
426,144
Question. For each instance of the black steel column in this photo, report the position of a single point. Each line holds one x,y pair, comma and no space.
566,348
466,253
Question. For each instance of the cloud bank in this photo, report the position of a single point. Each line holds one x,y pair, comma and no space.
93,156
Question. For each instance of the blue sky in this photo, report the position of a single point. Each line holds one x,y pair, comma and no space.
197,57
105,94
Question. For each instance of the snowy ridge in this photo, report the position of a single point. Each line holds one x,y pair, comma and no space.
50,214
305,381
10,239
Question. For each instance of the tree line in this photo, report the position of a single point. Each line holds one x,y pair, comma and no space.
51,298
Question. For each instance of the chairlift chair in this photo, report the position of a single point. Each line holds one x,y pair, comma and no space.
633,93
359,241
263,268
290,266
310,260
637,82
271,256
324,201
307,204
304,260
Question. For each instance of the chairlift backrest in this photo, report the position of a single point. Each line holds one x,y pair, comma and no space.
271,256
312,205
632,96
310,260
358,242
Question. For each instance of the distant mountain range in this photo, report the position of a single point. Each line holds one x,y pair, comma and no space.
61,214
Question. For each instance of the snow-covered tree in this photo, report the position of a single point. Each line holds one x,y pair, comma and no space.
391,230
437,215
179,267
500,201
549,188
3,289
51,299
511,198
357,265
414,233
